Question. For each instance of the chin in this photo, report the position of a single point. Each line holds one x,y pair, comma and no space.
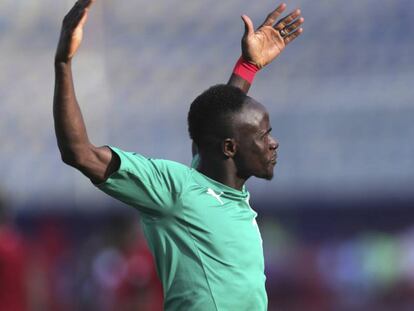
267,176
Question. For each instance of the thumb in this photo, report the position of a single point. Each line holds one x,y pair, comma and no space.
248,26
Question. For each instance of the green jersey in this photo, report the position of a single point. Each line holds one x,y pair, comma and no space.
203,234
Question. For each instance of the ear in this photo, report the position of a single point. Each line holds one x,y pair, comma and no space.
229,147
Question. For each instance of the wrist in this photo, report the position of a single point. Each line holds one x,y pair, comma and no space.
62,59
62,62
245,70
62,68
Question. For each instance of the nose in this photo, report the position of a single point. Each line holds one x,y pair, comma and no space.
274,143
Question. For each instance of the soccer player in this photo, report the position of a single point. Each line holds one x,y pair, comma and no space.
197,220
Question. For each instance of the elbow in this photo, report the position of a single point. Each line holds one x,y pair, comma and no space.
72,157
69,159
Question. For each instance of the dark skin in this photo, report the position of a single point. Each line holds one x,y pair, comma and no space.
257,148
250,152
260,47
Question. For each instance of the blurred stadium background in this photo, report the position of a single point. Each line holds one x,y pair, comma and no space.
338,218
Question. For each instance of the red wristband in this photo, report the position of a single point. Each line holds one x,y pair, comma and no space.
245,70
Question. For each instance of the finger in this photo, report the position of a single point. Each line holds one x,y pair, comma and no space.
287,20
292,36
272,17
76,18
79,6
87,3
76,14
292,27
72,11
248,26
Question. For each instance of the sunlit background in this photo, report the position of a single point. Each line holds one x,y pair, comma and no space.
338,218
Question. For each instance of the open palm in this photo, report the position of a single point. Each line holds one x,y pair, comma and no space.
262,46
72,30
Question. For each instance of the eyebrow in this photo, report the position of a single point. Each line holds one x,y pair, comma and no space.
267,132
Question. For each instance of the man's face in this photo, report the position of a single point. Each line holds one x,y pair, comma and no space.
256,148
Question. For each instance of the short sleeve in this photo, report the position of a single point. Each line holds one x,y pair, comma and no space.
150,185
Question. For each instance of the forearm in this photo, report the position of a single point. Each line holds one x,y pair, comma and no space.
239,82
97,163
69,125
243,75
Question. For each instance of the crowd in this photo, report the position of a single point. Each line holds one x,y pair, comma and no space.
100,261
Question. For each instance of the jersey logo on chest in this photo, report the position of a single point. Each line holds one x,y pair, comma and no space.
215,195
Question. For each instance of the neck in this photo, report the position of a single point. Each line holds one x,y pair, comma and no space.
221,170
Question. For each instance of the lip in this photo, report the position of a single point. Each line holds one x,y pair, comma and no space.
273,159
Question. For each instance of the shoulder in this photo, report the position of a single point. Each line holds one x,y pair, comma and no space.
152,170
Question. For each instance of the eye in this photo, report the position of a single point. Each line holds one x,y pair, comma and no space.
267,134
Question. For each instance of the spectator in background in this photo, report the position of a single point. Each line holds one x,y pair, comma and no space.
13,291
124,271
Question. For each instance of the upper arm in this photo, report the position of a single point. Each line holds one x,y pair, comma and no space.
151,185
97,163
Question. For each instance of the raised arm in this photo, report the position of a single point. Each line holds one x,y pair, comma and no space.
97,163
261,47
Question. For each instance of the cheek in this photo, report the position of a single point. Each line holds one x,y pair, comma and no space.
261,148
253,149
248,156
258,154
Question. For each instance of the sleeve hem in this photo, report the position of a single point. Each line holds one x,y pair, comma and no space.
117,152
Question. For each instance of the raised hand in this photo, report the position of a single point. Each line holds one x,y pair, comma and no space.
262,46
72,31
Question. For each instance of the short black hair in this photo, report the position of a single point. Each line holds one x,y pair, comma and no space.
211,113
